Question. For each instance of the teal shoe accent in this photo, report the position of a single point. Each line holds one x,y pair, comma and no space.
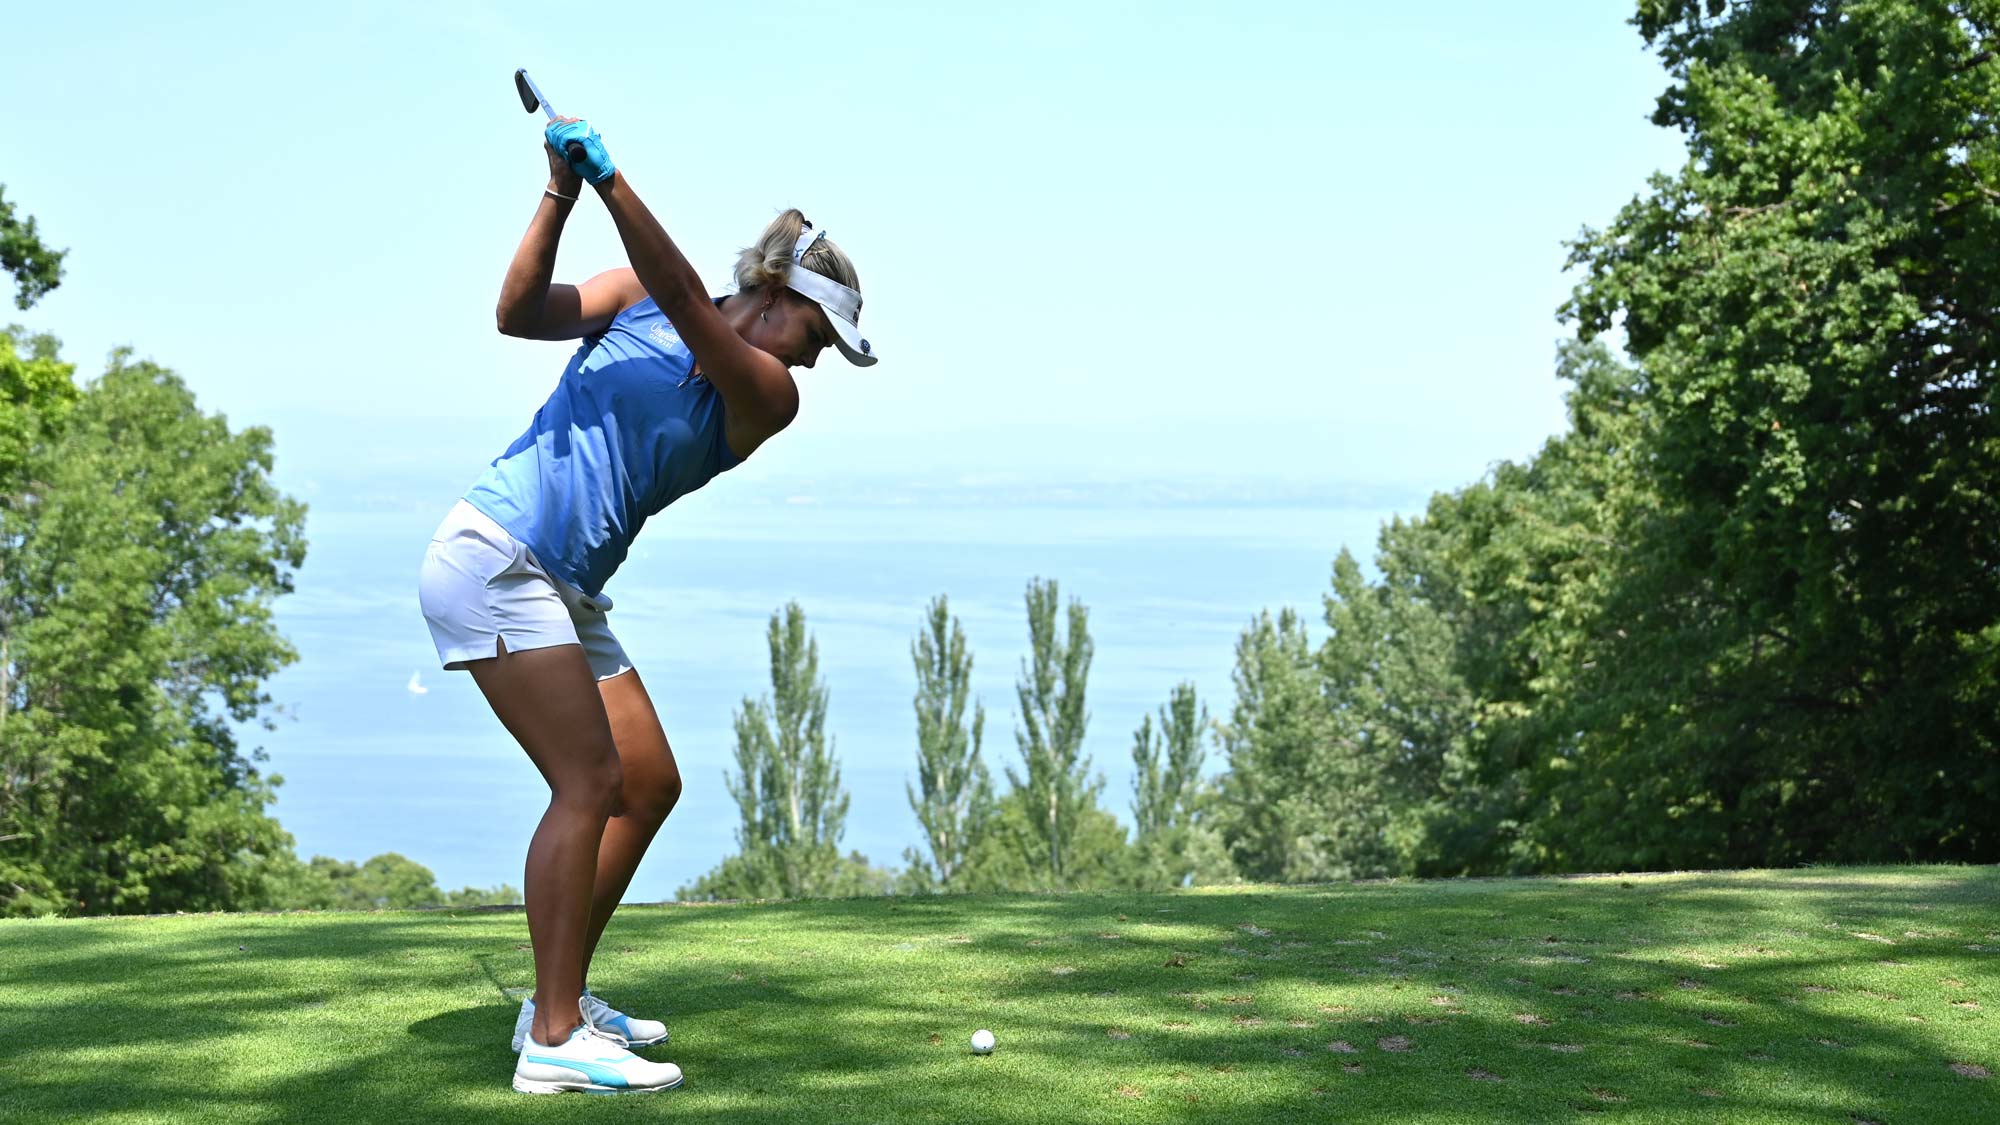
602,1075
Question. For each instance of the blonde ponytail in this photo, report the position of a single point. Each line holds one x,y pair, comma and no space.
769,260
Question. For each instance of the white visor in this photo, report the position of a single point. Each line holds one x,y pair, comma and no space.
842,305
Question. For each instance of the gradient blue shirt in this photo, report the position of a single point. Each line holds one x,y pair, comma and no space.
628,430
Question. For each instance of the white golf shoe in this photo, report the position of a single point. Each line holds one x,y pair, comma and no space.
609,1022
589,1063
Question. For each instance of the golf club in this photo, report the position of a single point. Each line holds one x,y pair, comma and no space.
531,97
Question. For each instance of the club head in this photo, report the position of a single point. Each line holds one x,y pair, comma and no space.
522,87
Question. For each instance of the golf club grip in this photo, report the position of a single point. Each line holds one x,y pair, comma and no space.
574,150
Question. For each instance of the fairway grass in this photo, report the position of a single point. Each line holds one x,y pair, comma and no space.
1822,995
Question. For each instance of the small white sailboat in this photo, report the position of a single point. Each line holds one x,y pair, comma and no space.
417,684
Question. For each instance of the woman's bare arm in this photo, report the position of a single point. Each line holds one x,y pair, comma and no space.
532,308
756,388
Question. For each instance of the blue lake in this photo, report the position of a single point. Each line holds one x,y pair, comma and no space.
371,766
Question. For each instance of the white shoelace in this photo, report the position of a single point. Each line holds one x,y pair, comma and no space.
602,1036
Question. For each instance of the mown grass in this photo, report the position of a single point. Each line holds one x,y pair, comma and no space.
1818,995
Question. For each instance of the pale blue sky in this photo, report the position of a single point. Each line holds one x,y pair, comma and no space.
1173,300
1099,241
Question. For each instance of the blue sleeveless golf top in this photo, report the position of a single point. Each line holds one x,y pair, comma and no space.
627,431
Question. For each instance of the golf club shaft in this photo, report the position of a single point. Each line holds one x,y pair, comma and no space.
573,150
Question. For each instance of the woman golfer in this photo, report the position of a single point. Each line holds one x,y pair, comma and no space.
668,389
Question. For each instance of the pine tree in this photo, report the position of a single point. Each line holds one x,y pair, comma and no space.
954,797
1172,842
787,784
1056,787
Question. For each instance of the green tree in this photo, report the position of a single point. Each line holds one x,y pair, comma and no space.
1174,842
851,876
1521,566
1395,668
36,269
1056,785
37,390
506,894
386,882
1805,621
36,393
1743,612
144,545
1299,801
953,798
787,784
1455,680
1005,857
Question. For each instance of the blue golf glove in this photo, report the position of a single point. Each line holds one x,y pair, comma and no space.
596,164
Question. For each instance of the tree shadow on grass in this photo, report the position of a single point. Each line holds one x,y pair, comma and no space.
1108,1006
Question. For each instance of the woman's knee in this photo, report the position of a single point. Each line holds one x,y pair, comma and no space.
652,792
597,789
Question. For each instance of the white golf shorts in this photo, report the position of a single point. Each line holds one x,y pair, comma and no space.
480,585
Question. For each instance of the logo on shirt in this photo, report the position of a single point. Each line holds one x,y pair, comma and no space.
664,336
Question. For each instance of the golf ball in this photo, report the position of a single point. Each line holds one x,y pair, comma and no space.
982,1042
